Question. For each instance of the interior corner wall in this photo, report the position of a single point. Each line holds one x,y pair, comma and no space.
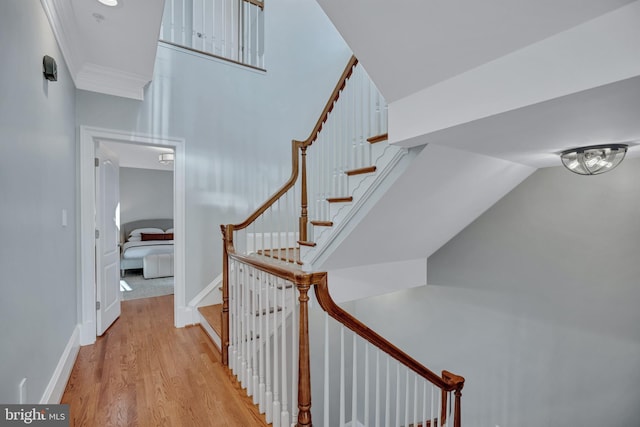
38,187
536,304
145,194
237,123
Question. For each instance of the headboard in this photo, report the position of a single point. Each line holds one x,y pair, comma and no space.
125,229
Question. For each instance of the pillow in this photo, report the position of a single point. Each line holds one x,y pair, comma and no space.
139,231
136,238
152,236
169,231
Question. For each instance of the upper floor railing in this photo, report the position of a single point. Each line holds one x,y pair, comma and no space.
228,29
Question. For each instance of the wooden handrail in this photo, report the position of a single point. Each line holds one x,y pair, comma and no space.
258,3
295,146
335,95
328,305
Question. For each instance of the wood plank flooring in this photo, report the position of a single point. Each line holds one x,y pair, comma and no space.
144,372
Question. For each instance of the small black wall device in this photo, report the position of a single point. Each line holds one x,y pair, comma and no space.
49,68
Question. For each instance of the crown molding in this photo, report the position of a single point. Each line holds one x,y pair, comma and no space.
111,81
62,21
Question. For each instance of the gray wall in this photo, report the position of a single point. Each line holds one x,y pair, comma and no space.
536,304
37,182
238,123
145,194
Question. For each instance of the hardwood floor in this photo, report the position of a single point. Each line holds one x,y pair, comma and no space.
145,372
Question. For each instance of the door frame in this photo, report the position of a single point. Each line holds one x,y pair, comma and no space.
87,225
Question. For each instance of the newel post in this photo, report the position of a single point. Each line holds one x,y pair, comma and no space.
304,198
304,370
227,238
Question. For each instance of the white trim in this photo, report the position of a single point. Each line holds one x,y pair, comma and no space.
345,223
210,295
87,300
58,382
101,79
62,21
217,341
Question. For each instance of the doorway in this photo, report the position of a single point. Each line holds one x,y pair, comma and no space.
89,136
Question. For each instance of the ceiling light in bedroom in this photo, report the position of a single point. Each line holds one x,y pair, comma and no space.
109,2
595,159
166,158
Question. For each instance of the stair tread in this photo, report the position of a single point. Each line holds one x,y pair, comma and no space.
378,138
340,199
322,223
291,255
360,171
213,316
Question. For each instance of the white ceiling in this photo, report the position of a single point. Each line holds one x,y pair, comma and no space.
518,80
108,49
138,156
408,45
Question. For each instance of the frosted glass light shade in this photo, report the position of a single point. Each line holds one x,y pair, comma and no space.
595,159
166,158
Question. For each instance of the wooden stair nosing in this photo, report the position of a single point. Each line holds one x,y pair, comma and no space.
378,138
304,243
340,199
322,223
360,171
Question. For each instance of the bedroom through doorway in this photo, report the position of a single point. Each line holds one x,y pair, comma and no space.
144,218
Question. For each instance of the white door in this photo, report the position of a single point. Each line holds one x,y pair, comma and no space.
107,239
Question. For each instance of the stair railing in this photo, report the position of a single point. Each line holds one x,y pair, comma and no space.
267,347
265,315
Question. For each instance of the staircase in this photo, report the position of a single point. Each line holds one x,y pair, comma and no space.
265,320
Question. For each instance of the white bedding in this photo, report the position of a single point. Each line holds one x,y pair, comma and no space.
132,250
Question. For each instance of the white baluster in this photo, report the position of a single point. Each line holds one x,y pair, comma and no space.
377,398
342,375
284,410
424,403
366,383
263,337
354,381
387,402
276,357
398,393
407,399
326,369
267,339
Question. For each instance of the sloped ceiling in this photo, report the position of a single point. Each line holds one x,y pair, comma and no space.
408,45
109,50
518,80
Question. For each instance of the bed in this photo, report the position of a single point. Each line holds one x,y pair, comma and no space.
144,237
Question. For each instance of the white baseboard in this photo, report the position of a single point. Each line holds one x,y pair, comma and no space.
87,333
55,389
185,316
208,296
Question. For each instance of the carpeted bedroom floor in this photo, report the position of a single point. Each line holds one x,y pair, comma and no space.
134,286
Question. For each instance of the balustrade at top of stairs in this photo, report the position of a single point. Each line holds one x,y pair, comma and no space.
265,311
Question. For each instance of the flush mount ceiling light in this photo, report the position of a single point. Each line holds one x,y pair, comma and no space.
166,158
595,159
111,3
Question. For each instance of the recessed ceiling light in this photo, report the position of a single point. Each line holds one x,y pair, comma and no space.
109,2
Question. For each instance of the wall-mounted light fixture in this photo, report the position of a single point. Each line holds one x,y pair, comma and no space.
166,158
595,159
